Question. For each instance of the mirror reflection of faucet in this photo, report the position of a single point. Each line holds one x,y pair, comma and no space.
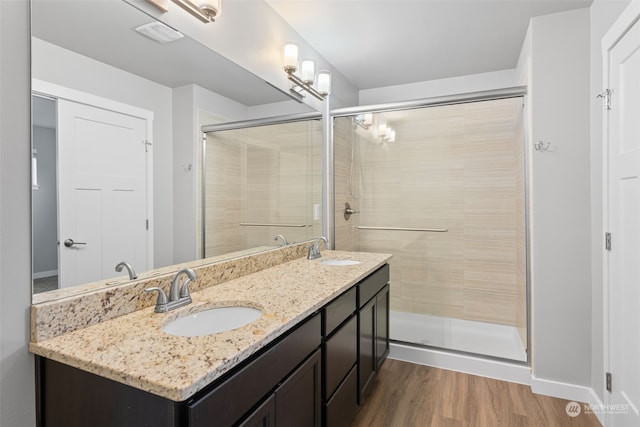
124,264
281,237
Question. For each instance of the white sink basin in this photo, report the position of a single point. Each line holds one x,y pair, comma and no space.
340,262
211,321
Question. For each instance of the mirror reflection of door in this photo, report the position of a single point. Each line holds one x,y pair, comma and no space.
103,194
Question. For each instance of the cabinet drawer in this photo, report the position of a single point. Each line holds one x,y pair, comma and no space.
229,401
338,311
344,404
372,285
265,415
341,354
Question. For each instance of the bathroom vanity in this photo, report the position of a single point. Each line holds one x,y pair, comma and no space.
307,361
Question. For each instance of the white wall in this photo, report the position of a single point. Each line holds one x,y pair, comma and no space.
66,68
17,391
603,14
560,199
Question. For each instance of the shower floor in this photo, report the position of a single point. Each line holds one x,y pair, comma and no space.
463,335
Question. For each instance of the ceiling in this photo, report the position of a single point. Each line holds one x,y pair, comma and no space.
378,43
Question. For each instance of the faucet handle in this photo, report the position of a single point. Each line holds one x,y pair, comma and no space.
314,249
184,291
161,302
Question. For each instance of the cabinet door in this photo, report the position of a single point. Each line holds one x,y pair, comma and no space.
264,416
298,399
343,406
341,355
366,354
382,326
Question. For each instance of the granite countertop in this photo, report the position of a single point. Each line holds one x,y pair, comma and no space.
132,349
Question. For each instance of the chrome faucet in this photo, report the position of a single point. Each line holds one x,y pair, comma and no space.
314,250
178,296
280,236
124,264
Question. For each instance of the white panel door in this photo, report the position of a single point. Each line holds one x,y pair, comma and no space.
624,217
102,192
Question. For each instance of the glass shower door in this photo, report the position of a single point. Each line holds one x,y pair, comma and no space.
447,198
260,182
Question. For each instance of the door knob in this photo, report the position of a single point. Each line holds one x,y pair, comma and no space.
70,243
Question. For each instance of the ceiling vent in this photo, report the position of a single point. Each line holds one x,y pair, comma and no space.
159,32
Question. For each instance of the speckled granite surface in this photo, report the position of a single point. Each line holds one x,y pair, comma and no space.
67,310
133,350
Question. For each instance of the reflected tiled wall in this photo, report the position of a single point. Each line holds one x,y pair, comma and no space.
262,175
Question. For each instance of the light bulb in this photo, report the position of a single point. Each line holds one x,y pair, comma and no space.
324,82
290,57
308,71
391,136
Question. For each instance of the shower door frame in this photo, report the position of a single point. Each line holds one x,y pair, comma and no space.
236,125
464,98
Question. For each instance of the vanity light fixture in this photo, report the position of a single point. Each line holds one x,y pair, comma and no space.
363,120
307,78
205,11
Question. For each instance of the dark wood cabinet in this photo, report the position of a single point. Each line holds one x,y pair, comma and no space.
263,416
366,352
298,399
382,326
340,349
373,327
314,375
228,401
343,405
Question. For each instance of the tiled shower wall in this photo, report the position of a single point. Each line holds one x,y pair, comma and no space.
459,168
262,175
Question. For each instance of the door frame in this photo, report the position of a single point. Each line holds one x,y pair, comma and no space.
627,19
52,90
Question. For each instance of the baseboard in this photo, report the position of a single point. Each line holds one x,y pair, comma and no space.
561,390
596,402
576,393
42,274
512,372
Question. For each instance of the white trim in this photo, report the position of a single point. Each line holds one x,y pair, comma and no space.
52,90
500,370
562,390
625,21
42,274
629,16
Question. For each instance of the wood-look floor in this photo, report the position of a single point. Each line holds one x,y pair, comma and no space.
409,395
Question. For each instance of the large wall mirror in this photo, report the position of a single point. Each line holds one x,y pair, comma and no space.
129,110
